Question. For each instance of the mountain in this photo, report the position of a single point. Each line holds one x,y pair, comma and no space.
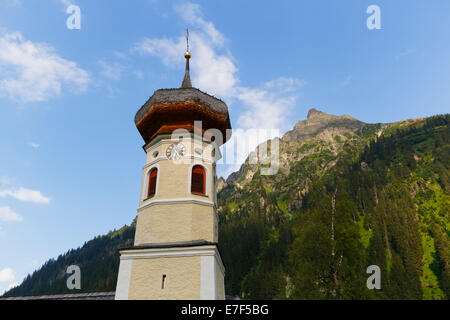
347,195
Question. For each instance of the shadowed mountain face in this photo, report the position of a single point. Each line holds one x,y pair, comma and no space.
347,195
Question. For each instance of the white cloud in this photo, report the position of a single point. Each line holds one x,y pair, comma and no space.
166,49
35,145
138,74
25,195
4,181
193,15
111,70
34,72
33,263
66,3
264,107
7,275
12,285
344,83
405,53
285,84
214,73
7,214
10,3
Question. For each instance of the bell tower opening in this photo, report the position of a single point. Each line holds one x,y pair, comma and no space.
198,180
152,179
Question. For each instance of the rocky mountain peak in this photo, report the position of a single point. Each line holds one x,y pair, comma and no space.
317,121
314,113
319,126
317,115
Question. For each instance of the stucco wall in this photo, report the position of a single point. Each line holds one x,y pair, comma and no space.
220,284
170,215
173,178
176,222
182,278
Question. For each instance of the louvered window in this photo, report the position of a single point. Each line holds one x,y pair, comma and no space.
152,183
198,180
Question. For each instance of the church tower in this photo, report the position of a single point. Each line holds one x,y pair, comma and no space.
175,253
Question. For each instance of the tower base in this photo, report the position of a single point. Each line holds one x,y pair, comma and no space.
172,271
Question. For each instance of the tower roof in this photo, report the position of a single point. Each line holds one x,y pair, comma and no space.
170,109
187,78
182,95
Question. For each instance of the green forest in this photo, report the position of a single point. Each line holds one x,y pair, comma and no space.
348,196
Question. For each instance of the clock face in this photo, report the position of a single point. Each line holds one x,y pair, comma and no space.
176,151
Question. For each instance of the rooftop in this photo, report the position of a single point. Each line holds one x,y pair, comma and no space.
75,296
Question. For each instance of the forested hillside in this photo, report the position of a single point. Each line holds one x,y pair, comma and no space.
354,195
347,195
98,260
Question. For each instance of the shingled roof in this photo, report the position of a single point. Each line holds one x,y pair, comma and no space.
179,95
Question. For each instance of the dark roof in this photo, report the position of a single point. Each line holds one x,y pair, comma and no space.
74,296
180,95
82,296
192,243
187,78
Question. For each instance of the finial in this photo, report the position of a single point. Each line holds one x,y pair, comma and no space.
187,79
187,54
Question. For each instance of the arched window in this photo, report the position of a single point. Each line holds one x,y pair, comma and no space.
152,182
198,180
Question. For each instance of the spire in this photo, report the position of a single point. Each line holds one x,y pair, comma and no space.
187,79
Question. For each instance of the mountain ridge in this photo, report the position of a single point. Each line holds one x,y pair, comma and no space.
321,159
317,121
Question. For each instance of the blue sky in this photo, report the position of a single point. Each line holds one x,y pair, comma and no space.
70,155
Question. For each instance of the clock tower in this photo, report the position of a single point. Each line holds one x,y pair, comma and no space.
175,253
